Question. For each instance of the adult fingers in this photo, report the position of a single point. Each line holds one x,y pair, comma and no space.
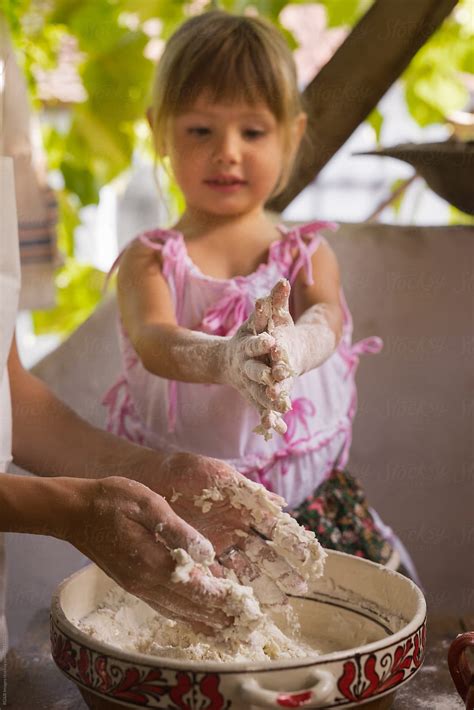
299,547
285,576
156,515
249,574
197,626
187,602
172,580
227,535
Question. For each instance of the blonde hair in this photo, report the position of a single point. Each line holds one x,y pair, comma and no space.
230,58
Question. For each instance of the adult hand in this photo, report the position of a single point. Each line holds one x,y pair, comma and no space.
129,531
266,548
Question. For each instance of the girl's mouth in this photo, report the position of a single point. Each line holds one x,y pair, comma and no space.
225,186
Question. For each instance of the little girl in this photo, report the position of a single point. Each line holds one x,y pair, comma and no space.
209,356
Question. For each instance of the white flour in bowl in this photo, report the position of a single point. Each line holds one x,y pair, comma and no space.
129,624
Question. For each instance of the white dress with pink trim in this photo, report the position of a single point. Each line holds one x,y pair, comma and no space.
215,420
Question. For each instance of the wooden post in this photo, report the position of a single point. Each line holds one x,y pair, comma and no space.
351,84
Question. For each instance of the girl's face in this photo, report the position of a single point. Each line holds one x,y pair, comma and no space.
226,158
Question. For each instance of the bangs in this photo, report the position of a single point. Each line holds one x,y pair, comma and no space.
234,68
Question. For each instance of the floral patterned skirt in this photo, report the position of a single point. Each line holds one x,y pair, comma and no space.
340,517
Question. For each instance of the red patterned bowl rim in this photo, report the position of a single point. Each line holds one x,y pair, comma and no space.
60,620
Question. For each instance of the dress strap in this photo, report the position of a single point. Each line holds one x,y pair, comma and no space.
316,226
298,238
155,239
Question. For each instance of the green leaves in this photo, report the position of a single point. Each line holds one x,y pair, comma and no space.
80,181
458,217
117,81
375,119
268,8
13,10
433,95
68,221
433,85
78,291
345,12
170,14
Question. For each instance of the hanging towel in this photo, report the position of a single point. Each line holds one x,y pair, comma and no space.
36,202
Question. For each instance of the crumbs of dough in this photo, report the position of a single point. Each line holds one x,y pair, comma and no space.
129,624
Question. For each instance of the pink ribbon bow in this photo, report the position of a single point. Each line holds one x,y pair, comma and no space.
301,409
227,316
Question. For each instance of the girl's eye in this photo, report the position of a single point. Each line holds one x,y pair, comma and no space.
253,133
198,131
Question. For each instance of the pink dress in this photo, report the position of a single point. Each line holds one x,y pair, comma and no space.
215,420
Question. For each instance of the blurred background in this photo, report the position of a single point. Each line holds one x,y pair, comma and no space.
88,67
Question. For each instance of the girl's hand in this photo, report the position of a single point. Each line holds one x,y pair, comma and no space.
272,314
297,348
242,360
243,522
284,355
129,532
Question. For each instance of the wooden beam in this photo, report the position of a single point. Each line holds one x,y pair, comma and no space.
351,84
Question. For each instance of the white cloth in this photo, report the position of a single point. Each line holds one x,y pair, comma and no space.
9,295
36,204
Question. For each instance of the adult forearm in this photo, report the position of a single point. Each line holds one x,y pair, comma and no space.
39,506
50,439
180,354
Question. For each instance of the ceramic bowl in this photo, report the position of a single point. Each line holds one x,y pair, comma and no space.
368,622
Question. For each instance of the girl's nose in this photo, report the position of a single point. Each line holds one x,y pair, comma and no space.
227,148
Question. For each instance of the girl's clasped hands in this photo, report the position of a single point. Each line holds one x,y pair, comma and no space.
263,357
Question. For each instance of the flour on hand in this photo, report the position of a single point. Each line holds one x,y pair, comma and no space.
297,348
288,554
